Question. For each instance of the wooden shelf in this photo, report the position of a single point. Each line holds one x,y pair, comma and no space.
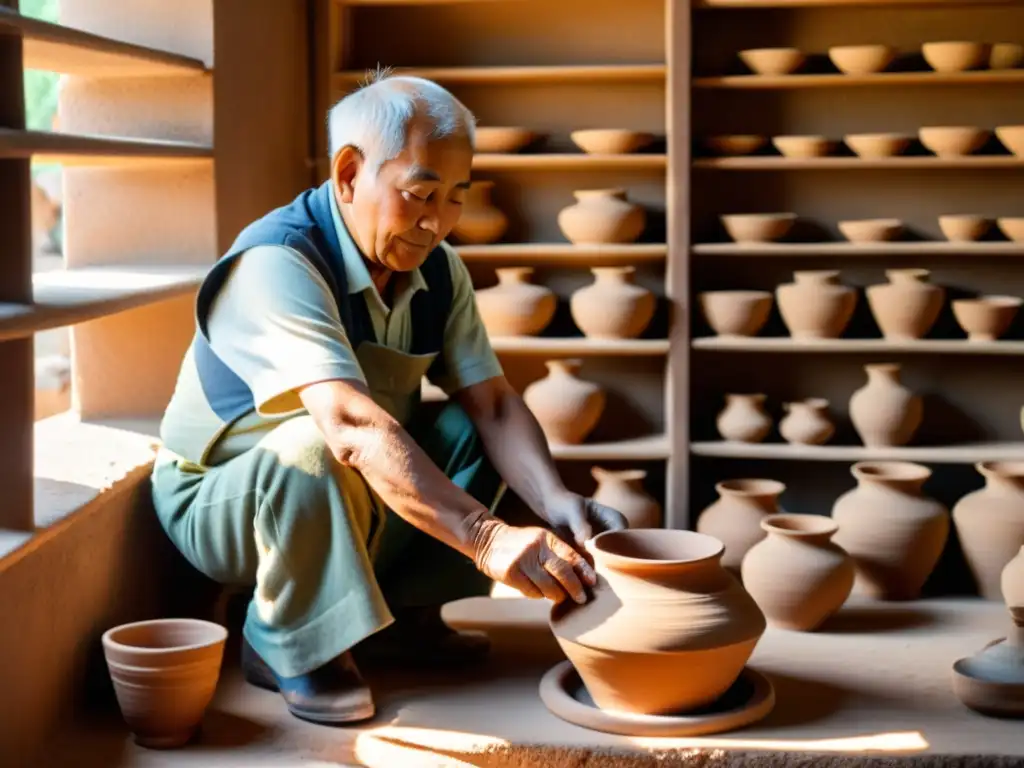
641,448
568,162
74,149
568,253
829,80
740,4
593,73
393,3
930,248
56,48
953,454
988,162
534,345
875,346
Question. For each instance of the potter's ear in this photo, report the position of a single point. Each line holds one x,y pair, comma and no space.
345,167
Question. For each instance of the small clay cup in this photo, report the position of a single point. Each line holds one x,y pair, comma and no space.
501,139
953,140
802,147
736,313
986,318
773,61
1006,56
861,59
955,55
735,144
877,145
610,141
757,227
1012,227
871,230
964,228
1012,137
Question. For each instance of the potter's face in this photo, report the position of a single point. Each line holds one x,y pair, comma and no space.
410,205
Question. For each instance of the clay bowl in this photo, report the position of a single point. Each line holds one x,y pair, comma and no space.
1006,56
610,141
801,147
955,56
757,227
165,673
871,230
875,145
992,681
964,228
1012,227
953,140
738,144
861,59
772,61
986,318
736,313
1012,137
500,139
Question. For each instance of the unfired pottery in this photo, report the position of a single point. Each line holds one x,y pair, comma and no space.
803,147
757,227
986,318
815,305
610,141
735,518
894,532
797,576
613,306
907,306
1006,56
165,673
623,490
602,216
871,230
515,306
1012,227
964,227
1012,137
736,313
480,221
877,145
955,55
807,422
953,140
861,59
566,406
667,630
502,139
772,61
990,524
883,411
735,144
743,419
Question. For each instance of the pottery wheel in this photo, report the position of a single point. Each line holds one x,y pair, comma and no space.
749,699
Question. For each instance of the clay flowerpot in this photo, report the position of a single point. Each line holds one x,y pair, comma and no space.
624,491
480,221
165,673
1012,137
990,524
894,532
815,305
861,59
807,422
986,318
736,313
742,144
567,407
735,518
772,61
953,140
1006,56
516,307
757,227
1012,227
871,230
907,306
801,147
964,228
668,630
883,411
501,139
877,145
610,141
613,306
797,576
602,216
955,56
743,419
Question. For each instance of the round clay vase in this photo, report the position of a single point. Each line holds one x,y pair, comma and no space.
613,306
990,524
907,306
807,422
624,492
165,673
667,630
743,419
515,306
567,407
1013,582
797,576
883,411
894,532
735,518
480,221
602,216
815,305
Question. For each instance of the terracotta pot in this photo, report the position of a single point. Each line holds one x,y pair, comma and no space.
567,407
876,145
807,422
964,227
623,490
480,221
1012,137
802,147
953,140
1012,227
516,307
986,318
861,59
907,306
797,576
735,518
1006,56
772,61
501,139
990,524
757,227
736,313
955,56
667,630
165,673
743,419
894,533
610,141
613,306
883,411
815,305
871,230
742,144
602,216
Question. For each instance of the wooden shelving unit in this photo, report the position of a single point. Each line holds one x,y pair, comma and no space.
860,346
564,253
881,79
951,454
569,162
879,250
970,162
591,74
71,149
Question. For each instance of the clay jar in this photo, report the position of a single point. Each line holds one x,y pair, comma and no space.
480,221
602,216
735,518
668,630
990,523
807,422
516,307
612,307
797,575
815,305
624,492
907,306
743,419
883,411
567,408
894,532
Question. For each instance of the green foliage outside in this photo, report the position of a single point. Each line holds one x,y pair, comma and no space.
40,87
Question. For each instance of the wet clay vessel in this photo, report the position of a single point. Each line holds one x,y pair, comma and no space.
602,216
515,306
623,490
807,422
987,317
883,411
566,406
815,305
736,313
613,306
744,419
907,306
735,518
480,221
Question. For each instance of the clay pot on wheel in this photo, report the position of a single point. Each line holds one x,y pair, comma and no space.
602,216
567,407
807,422
624,491
883,411
815,305
907,306
516,307
743,419
668,630
735,518
480,221
613,306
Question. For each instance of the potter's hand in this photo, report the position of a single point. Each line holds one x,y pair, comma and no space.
533,561
577,519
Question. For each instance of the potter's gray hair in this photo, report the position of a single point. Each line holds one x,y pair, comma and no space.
374,118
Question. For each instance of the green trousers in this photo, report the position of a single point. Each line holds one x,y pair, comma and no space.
328,561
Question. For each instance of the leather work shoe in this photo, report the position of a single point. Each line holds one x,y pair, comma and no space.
334,694
420,638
